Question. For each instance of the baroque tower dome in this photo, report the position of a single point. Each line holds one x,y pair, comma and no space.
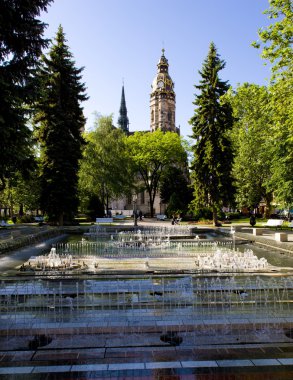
162,99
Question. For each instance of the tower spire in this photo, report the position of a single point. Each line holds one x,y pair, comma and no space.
162,102
123,121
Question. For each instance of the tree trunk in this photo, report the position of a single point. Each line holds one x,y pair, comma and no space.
215,217
20,213
152,207
268,208
61,219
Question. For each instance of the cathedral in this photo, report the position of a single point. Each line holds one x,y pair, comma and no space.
162,116
162,102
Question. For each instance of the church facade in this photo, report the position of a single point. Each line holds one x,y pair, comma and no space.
162,116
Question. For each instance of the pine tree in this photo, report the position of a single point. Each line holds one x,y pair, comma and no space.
21,44
60,123
213,156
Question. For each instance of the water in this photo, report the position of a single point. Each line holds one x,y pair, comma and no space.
145,309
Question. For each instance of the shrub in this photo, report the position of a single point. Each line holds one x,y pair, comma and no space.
204,213
26,219
233,215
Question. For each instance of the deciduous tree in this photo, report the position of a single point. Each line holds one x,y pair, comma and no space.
152,153
105,168
253,145
276,39
276,43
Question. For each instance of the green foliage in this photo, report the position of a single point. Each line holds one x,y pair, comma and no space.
22,195
203,214
176,205
252,139
26,219
281,104
211,123
95,207
233,215
105,169
152,153
59,122
276,39
174,184
21,44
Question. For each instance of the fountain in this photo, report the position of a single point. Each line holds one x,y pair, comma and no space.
140,291
142,251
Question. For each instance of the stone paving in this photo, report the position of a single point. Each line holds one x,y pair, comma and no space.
117,348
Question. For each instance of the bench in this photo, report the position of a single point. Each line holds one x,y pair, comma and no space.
120,217
104,220
274,223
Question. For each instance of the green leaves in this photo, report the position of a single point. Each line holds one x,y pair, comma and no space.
151,154
21,44
59,124
213,156
106,167
277,38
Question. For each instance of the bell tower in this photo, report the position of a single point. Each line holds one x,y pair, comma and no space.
162,99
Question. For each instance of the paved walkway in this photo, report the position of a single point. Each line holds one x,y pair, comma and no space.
275,368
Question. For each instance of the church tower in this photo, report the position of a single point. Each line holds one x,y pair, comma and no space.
162,102
123,121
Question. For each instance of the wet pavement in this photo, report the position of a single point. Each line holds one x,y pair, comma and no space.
128,345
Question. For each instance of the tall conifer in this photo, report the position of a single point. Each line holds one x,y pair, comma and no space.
213,157
21,44
60,123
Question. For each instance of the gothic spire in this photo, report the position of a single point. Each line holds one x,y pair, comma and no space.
123,121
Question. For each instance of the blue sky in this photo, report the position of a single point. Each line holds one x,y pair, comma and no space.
123,39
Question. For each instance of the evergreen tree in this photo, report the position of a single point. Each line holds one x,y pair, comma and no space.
21,44
213,157
174,184
60,122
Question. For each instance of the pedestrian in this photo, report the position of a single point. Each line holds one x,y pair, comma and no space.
140,215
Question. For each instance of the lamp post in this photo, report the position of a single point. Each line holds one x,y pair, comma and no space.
134,200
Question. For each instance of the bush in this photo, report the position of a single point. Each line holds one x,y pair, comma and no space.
26,219
221,215
204,213
233,215
95,208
